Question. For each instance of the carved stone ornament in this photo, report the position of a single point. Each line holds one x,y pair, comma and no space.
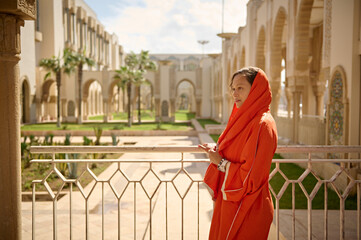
25,9
28,7
10,45
327,33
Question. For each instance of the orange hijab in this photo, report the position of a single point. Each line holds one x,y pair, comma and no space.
258,101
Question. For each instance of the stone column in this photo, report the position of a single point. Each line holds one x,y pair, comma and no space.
296,86
296,114
39,110
85,110
276,94
198,107
172,109
157,110
12,14
10,160
106,105
64,110
288,94
319,90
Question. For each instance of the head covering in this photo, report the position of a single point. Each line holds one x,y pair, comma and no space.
257,103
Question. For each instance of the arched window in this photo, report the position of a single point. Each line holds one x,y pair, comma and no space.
71,109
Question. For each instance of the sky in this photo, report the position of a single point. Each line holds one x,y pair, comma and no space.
170,26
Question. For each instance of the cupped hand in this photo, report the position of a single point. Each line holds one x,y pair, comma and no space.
212,151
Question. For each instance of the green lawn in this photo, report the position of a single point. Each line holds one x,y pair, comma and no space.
184,115
145,115
214,137
203,122
106,126
293,172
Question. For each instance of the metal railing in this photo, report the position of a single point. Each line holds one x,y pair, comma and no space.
180,184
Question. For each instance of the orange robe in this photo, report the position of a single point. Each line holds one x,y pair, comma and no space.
243,205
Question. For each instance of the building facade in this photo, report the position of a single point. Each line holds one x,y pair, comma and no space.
310,50
59,25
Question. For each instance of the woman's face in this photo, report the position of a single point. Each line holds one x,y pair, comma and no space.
240,89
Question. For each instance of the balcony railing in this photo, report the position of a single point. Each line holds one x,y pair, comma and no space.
165,200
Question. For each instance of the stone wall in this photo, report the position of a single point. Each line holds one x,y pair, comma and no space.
312,130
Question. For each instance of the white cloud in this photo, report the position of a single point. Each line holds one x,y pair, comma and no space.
174,26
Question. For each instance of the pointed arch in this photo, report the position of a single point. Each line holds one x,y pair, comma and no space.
46,90
242,63
71,108
260,52
147,91
25,100
276,43
276,58
302,35
191,96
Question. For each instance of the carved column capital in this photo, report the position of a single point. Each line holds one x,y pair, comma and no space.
23,9
10,46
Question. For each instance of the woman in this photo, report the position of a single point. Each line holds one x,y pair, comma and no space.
241,161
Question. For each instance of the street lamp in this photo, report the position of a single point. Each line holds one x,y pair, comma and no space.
203,42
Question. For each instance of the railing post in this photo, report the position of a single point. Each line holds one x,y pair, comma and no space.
358,210
33,213
325,216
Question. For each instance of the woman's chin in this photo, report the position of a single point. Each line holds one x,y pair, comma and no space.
238,105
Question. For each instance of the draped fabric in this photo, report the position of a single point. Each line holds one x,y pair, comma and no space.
243,205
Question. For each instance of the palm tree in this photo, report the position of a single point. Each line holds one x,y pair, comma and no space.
79,59
133,73
56,65
126,77
142,63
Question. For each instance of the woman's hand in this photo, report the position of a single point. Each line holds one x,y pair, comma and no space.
212,151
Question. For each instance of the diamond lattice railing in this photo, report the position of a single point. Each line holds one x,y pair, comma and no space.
161,199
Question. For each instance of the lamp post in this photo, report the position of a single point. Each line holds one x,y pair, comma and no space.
203,42
222,15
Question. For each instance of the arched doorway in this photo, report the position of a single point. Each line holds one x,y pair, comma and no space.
93,100
71,109
25,102
185,103
117,100
48,100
